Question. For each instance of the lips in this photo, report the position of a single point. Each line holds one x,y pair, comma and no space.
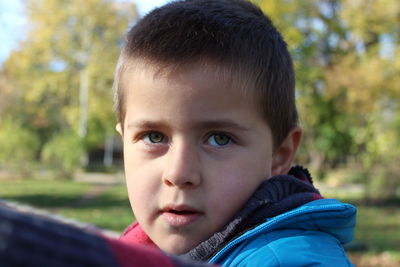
180,215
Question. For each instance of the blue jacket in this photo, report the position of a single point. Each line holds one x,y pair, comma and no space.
310,235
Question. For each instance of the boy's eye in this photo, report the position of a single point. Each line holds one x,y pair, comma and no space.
219,139
154,137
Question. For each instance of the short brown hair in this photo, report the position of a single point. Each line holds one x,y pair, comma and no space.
232,33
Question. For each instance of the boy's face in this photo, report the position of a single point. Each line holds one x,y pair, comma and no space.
194,151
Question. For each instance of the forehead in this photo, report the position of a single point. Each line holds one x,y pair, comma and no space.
200,81
227,75
189,93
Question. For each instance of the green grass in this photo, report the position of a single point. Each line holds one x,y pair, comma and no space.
108,209
43,192
379,227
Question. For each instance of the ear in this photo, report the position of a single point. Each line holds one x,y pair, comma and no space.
283,157
118,127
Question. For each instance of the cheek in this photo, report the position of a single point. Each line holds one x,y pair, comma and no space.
143,193
257,163
234,182
247,165
142,178
230,188
135,163
226,202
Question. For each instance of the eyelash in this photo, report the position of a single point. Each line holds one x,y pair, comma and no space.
231,138
147,135
144,135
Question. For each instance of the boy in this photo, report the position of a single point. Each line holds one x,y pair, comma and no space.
206,108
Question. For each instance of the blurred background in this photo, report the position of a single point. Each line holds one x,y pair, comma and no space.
59,150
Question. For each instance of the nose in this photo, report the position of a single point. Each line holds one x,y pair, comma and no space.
182,167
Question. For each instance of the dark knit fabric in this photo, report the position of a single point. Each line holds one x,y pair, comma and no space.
275,196
27,240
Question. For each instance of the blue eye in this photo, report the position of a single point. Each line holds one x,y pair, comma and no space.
219,139
154,137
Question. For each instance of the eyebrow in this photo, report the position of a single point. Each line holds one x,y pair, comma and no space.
209,124
218,124
145,124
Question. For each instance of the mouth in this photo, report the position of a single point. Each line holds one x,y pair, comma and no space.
181,209
180,215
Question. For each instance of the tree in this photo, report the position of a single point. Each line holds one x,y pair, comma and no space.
346,55
64,68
